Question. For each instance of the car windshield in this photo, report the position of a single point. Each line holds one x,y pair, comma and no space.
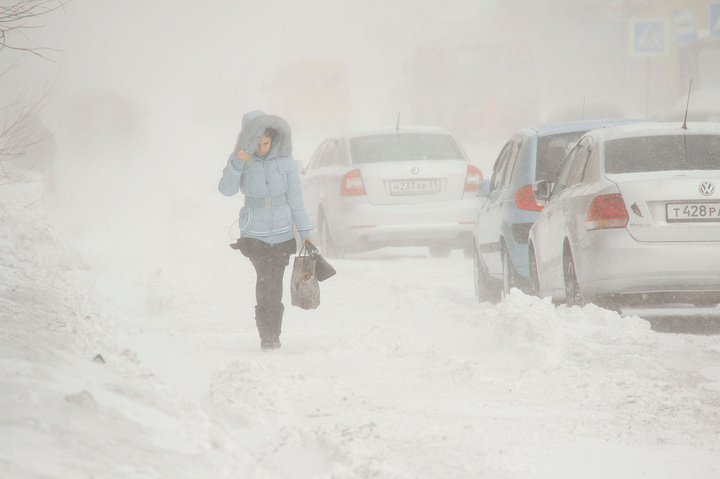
551,152
404,147
662,153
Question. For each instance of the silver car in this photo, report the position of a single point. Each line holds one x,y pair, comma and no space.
633,218
510,209
392,187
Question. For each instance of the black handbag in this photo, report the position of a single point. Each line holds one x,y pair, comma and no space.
304,287
323,269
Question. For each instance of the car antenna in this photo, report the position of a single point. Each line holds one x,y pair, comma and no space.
583,110
397,125
687,106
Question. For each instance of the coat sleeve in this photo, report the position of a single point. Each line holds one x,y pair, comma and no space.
295,200
230,181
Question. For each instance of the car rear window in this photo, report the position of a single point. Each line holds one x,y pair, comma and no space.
404,147
662,153
551,153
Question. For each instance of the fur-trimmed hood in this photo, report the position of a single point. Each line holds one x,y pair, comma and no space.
254,125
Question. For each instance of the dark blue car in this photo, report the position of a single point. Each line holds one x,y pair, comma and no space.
510,207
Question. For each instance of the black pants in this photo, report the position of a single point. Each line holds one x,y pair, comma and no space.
270,262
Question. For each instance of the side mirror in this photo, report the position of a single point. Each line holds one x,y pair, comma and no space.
542,190
483,189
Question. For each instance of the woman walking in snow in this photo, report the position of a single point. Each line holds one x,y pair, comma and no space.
263,169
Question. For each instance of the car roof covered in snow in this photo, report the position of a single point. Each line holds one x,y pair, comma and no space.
581,125
658,128
403,129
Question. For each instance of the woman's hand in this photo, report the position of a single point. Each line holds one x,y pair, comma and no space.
307,239
242,156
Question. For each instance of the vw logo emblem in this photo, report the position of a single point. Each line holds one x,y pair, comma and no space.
706,188
415,170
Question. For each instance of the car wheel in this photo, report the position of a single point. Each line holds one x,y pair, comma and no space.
573,297
439,251
329,248
534,286
509,274
484,290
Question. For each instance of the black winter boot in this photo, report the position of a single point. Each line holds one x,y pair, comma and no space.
269,344
262,321
275,323
269,325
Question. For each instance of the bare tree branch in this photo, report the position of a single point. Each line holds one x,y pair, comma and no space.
19,135
17,131
17,19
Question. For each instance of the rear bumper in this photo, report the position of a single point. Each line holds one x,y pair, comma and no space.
610,263
420,224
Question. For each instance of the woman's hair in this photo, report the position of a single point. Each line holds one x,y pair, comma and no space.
271,133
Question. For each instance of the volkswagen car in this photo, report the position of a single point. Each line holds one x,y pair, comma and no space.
404,186
633,217
510,208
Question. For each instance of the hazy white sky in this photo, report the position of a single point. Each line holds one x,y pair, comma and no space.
135,65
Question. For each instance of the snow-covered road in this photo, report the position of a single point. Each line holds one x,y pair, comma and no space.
128,350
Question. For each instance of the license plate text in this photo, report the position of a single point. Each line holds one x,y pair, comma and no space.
411,187
693,212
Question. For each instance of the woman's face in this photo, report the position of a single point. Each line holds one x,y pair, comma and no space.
264,145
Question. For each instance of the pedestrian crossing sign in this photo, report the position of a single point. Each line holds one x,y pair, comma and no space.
649,37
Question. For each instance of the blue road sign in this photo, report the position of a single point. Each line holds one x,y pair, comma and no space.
649,37
685,27
715,18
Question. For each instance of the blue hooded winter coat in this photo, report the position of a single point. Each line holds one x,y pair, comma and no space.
271,184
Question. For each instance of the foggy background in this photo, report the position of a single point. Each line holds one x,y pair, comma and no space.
139,76
145,101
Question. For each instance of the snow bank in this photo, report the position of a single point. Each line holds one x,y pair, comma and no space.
143,361
72,400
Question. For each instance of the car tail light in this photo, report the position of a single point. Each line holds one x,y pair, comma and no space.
352,184
473,178
525,199
607,211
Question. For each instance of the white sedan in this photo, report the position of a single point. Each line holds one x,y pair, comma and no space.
406,186
633,218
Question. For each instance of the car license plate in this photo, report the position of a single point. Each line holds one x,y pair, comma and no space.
414,187
693,212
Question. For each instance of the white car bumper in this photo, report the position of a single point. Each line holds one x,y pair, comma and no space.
611,262
418,224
